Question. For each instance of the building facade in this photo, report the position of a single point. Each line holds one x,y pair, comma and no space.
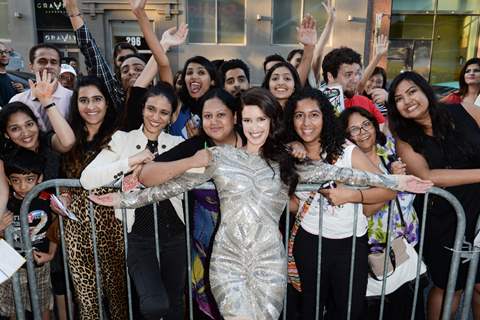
433,37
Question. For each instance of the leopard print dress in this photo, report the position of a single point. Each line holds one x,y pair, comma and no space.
111,254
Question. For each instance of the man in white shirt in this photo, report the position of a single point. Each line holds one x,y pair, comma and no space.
45,57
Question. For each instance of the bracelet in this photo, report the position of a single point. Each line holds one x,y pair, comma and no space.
361,195
75,15
49,105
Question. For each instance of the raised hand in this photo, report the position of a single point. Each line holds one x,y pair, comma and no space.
137,5
174,37
44,87
71,6
330,9
106,200
413,184
381,46
307,31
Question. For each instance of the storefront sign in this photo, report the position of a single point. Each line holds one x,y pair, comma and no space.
50,14
59,37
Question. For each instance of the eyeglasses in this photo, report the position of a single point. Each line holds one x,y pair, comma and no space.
94,100
355,131
5,52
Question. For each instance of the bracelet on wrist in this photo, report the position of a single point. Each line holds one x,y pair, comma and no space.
49,105
78,14
361,196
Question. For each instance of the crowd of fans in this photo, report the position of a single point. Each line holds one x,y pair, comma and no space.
112,125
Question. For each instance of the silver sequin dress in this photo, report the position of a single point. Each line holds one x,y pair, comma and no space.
248,268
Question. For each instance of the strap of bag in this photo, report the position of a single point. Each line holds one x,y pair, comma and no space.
293,276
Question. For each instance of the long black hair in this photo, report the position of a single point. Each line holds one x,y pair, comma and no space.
183,94
461,79
78,157
296,79
331,137
232,103
412,132
273,149
6,145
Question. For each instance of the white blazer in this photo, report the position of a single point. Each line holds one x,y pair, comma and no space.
112,163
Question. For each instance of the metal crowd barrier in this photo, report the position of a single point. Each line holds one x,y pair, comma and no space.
472,255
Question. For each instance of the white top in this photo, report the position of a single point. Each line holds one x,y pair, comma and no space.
337,220
112,163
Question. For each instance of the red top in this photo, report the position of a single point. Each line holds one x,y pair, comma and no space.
365,103
452,98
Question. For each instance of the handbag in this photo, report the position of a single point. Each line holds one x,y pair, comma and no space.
398,250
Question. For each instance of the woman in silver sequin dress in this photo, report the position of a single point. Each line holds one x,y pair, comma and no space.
248,265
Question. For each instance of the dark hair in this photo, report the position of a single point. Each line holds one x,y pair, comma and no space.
33,51
218,63
461,79
233,64
184,96
413,133
292,53
331,137
272,57
133,55
80,155
122,46
296,78
335,58
273,149
232,103
24,161
6,145
165,89
228,100
380,137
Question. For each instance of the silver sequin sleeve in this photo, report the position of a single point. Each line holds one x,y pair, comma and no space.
164,191
319,172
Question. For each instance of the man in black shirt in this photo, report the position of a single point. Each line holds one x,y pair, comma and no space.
8,88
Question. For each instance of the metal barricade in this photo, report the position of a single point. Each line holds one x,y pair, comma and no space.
70,183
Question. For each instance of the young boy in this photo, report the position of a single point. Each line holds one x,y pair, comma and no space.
24,170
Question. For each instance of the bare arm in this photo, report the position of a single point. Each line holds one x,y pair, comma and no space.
74,13
417,165
63,139
155,173
381,48
319,172
307,35
163,65
171,37
4,190
322,41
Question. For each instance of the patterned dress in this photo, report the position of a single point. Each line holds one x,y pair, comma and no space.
248,266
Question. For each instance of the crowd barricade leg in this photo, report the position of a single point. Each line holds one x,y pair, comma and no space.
17,292
456,255
473,256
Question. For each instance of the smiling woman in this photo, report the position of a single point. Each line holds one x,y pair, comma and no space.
127,152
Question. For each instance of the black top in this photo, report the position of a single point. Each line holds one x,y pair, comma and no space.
39,217
441,220
133,118
185,149
7,91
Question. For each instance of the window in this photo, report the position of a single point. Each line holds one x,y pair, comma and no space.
4,34
216,21
287,15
